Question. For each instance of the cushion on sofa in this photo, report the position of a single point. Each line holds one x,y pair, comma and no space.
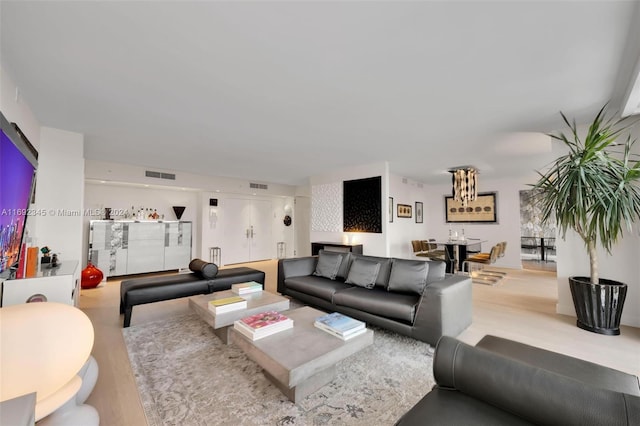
385,267
377,301
204,269
437,270
363,273
343,270
315,286
408,276
328,264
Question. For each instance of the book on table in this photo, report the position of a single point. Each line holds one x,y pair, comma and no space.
227,304
263,324
340,325
340,335
246,288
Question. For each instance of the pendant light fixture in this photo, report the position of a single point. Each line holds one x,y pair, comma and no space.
465,184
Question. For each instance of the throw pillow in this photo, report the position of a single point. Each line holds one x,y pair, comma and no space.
385,268
408,276
363,273
328,264
205,269
437,269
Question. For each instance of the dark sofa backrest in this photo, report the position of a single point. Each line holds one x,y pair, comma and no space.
535,394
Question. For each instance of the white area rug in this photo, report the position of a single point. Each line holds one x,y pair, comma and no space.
186,376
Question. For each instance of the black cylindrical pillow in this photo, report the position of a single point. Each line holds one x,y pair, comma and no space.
205,269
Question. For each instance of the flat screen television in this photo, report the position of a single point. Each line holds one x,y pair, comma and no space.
18,164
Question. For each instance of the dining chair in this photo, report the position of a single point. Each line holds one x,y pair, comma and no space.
419,249
482,275
416,245
431,247
481,259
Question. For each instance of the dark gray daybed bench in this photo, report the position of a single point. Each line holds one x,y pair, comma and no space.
205,278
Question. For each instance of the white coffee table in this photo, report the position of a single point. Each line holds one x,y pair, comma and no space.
301,360
256,302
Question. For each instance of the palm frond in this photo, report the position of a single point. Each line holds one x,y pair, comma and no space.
593,189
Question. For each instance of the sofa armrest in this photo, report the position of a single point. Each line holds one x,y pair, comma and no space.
532,393
295,267
578,369
445,309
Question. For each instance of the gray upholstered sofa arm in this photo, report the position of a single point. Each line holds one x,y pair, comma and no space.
295,267
478,386
445,308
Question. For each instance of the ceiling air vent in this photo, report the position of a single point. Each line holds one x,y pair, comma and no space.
258,186
159,175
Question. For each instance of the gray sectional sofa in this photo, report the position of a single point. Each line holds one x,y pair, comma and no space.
504,382
415,298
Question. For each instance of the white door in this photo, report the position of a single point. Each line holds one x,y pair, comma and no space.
237,219
247,230
261,241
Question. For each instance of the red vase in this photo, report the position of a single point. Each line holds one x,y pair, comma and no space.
91,276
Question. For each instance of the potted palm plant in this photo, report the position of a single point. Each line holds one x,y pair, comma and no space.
594,190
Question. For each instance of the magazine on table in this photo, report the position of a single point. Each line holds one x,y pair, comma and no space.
263,324
339,324
227,304
340,335
246,288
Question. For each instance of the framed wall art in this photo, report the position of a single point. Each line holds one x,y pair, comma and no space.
362,205
419,212
390,209
481,210
404,210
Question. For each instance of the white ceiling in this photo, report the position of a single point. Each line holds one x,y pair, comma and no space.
280,91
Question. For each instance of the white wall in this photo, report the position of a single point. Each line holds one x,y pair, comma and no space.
621,265
212,229
124,197
508,211
120,172
60,176
402,230
17,110
105,185
60,193
373,244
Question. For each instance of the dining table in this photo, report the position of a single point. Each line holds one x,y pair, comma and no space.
458,250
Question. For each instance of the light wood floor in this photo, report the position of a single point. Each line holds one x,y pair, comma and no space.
521,307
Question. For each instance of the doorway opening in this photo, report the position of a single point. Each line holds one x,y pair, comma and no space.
537,240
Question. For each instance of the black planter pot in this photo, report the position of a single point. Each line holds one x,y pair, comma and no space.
598,306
